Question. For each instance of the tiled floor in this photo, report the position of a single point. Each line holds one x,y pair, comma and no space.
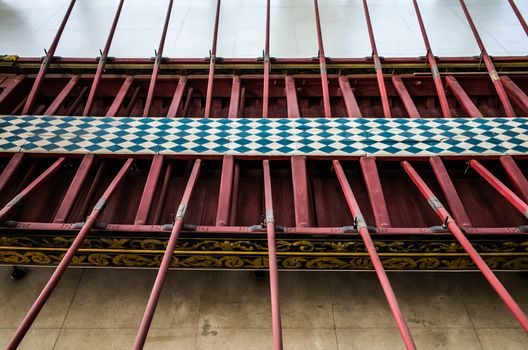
27,27
101,309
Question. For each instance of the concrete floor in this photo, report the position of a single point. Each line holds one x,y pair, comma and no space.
102,308
27,27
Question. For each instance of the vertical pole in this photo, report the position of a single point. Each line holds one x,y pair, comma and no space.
212,62
142,332
516,94
322,64
377,65
65,261
102,60
468,247
46,62
157,62
495,78
378,266
265,94
434,67
272,257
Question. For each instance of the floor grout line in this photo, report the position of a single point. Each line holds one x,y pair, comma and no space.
69,307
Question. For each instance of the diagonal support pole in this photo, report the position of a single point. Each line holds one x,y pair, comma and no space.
272,257
466,244
378,266
142,332
65,261
37,84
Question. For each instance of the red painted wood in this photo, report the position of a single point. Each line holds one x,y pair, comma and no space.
375,191
462,98
72,194
516,176
450,193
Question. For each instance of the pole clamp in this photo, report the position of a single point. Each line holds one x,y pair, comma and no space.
269,217
100,204
182,210
359,222
435,203
494,75
436,73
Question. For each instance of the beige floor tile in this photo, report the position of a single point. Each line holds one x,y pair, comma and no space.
446,338
503,338
485,308
18,296
112,339
234,339
430,300
42,339
358,301
313,339
305,300
371,339
117,299
235,300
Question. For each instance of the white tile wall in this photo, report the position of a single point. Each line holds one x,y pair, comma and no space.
27,27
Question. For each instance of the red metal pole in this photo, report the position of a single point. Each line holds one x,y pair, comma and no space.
468,247
30,188
378,266
102,60
519,15
434,67
377,65
68,256
322,64
46,61
157,63
212,62
511,197
167,258
408,104
163,193
495,78
265,93
272,257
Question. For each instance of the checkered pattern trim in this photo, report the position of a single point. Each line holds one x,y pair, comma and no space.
265,137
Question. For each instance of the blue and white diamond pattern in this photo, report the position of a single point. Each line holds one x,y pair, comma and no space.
265,137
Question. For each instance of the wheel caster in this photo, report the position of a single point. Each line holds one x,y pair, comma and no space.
259,274
18,273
